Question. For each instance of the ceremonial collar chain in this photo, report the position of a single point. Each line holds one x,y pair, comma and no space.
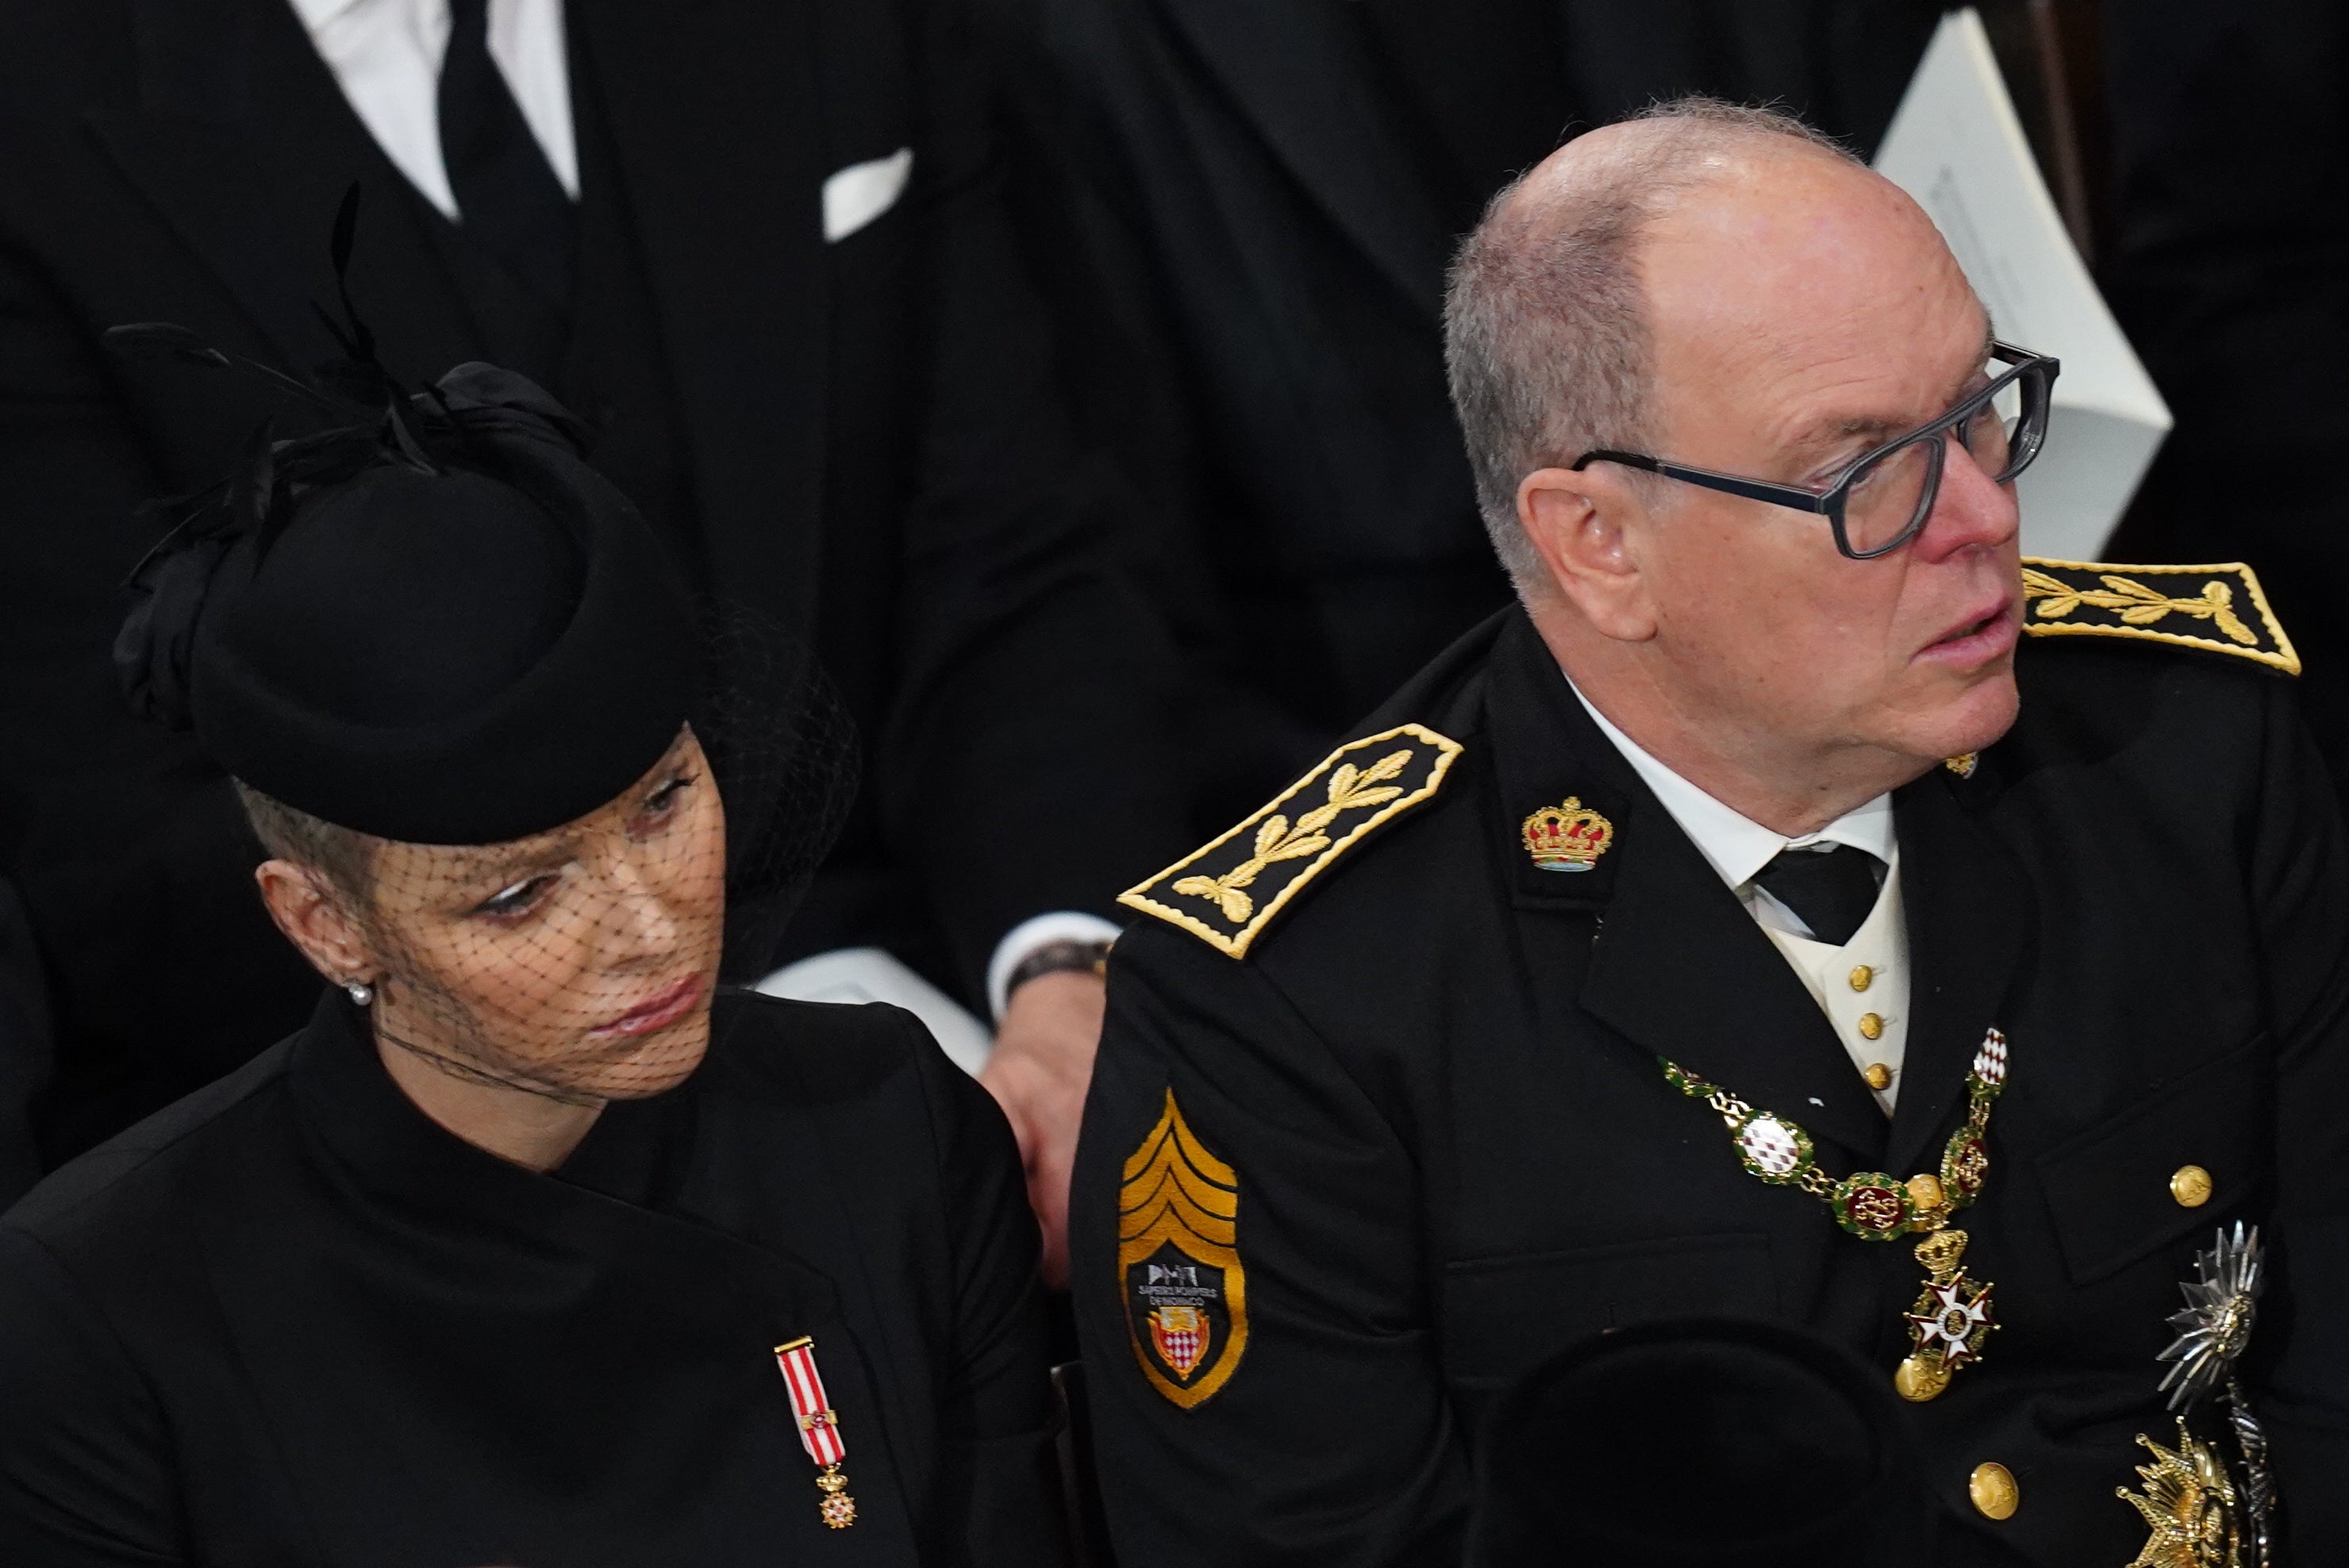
1951,1318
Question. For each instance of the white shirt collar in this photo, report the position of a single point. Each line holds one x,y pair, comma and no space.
1737,846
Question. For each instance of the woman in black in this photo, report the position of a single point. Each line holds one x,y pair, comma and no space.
490,1264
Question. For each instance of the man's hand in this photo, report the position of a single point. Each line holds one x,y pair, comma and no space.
1044,1059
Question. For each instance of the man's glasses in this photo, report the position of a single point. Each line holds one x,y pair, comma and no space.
1879,502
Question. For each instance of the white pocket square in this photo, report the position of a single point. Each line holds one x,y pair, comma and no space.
861,193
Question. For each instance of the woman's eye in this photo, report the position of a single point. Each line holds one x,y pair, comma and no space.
662,799
516,899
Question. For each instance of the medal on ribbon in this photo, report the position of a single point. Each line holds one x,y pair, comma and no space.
819,1431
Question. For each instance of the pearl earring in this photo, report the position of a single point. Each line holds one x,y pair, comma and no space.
360,992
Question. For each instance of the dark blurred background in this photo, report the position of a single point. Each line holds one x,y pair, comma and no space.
1111,471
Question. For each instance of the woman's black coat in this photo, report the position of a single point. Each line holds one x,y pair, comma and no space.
291,1319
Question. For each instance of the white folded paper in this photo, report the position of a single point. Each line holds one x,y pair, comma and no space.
1956,146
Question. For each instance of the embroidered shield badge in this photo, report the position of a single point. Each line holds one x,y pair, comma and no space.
1178,1256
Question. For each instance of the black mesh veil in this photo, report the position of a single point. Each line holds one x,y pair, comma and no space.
569,994
785,752
526,801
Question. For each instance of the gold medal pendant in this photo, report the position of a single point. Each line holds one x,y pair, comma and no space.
1950,1322
1951,1318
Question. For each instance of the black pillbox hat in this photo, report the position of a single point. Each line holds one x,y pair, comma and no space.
465,650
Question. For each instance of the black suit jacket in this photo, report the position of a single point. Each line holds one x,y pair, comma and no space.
2228,261
294,1320
1250,263
1448,1148
857,440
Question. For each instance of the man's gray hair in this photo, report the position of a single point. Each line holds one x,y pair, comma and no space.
1546,333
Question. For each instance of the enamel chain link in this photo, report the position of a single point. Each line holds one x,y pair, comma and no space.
1951,1318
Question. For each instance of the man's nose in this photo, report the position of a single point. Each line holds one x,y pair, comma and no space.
1970,509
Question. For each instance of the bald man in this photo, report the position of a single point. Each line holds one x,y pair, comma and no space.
1798,907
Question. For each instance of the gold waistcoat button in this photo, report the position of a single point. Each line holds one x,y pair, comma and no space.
1862,977
1871,1026
1879,1076
1992,1488
2191,1185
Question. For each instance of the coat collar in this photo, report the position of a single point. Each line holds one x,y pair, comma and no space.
1678,966
1298,72
1739,846
391,1151
1970,922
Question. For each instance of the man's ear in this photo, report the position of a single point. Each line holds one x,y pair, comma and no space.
1585,526
315,919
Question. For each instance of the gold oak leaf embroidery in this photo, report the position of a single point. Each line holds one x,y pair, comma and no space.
1276,838
1355,797
2137,605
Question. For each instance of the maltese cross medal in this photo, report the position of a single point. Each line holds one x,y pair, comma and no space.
1950,1322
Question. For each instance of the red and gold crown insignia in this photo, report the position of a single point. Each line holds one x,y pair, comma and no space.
1568,838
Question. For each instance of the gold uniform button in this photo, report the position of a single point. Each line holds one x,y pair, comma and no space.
1862,977
1871,1026
1879,1076
2191,1185
1992,1488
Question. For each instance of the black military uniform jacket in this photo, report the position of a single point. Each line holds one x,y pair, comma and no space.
291,1320
1380,1123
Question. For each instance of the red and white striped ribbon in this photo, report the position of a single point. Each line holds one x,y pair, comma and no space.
819,1427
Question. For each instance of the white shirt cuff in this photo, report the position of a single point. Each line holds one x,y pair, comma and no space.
1063,926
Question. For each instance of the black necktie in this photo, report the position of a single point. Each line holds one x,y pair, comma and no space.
508,199
1832,888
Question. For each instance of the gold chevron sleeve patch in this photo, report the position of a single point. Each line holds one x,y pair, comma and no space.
1178,1261
2221,608
1228,892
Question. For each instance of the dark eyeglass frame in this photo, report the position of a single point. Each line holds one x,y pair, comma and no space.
2036,373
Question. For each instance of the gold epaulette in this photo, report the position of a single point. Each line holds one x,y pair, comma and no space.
2226,614
1227,891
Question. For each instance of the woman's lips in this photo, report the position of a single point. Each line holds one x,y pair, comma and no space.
662,1010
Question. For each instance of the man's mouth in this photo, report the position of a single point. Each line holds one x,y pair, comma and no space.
658,1012
1977,640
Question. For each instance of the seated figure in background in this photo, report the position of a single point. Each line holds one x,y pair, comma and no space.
533,1246
2013,965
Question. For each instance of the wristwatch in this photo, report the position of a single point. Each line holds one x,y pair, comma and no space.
1055,957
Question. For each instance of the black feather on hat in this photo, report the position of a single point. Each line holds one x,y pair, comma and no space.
431,620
